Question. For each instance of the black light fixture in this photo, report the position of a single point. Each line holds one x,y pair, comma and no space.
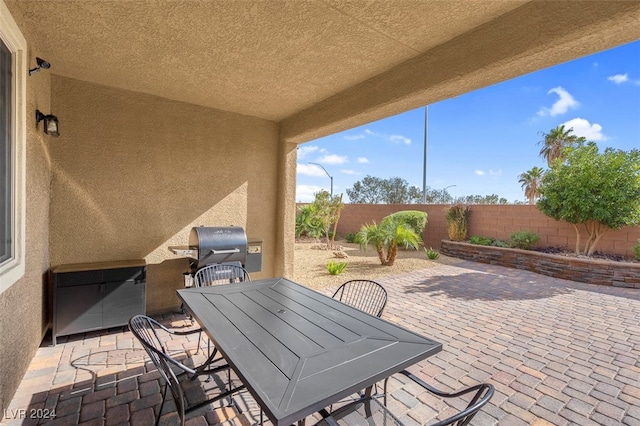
41,64
50,123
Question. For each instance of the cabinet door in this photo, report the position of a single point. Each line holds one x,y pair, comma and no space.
78,308
121,301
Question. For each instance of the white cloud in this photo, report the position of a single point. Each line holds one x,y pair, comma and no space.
562,105
349,172
354,137
490,173
304,151
391,138
619,78
309,170
306,193
363,160
582,127
333,159
400,139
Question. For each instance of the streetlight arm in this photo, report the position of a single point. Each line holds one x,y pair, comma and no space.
325,170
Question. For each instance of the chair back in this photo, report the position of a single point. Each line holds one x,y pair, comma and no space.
365,295
220,273
145,329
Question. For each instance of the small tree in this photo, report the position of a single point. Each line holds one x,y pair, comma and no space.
387,236
593,191
327,211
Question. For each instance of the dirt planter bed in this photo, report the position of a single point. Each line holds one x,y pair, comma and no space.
592,271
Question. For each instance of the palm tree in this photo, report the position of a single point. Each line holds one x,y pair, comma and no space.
556,141
391,233
530,181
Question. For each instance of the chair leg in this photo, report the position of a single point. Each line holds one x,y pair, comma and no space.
199,339
164,397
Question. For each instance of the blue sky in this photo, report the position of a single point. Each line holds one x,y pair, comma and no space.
481,141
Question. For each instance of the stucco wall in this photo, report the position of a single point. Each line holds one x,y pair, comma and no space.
23,307
133,173
497,221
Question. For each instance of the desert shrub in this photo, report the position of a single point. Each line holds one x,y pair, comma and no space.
350,237
416,220
482,241
458,221
636,250
307,222
525,240
500,243
336,268
431,253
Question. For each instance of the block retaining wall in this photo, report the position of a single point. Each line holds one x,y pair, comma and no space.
600,272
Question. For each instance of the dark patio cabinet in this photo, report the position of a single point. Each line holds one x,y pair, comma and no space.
94,296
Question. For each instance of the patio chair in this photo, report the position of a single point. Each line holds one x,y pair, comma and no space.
365,295
220,273
147,331
369,411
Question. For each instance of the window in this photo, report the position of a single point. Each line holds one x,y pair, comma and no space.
6,174
13,73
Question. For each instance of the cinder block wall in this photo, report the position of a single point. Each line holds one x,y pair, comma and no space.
497,221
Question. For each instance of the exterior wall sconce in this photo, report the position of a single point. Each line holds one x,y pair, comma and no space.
50,123
42,64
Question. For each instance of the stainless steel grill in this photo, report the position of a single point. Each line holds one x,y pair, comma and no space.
209,244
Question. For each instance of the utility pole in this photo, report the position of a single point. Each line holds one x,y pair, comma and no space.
424,161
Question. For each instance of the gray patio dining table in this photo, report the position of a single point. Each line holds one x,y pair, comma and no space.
297,350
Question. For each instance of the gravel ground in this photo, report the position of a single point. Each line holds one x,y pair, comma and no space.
310,264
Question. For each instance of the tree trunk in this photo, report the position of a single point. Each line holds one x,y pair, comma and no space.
588,226
597,234
393,252
380,250
577,228
335,225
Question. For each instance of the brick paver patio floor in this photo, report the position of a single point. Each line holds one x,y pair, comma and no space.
558,352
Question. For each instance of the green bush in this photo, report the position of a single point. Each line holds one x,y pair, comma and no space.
336,268
500,243
350,237
431,253
482,241
525,240
636,250
417,220
307,222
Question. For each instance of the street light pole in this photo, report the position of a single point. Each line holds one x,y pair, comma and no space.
444,191
424,161
325,170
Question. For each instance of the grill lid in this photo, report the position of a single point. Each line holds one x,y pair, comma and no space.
218,244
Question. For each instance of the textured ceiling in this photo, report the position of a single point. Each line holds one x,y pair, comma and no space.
302,61
268,59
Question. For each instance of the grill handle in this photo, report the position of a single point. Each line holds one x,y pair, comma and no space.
230,251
